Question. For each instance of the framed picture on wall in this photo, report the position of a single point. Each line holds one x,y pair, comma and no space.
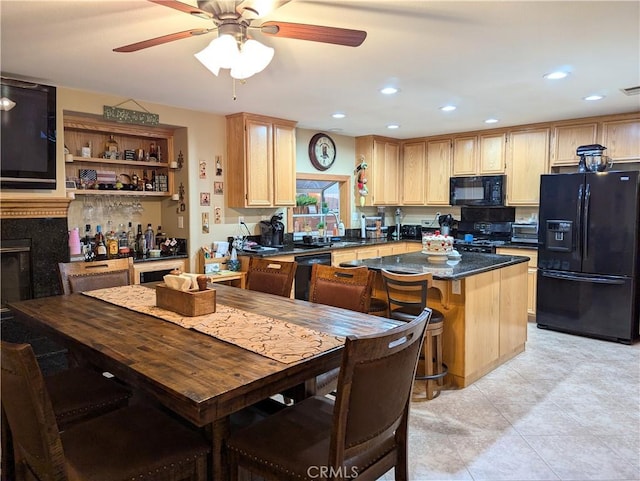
205,198
218,188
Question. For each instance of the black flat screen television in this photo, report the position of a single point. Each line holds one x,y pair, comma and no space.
28,136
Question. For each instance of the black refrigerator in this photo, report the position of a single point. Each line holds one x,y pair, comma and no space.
588,254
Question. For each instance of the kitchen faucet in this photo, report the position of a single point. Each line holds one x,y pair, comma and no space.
332,212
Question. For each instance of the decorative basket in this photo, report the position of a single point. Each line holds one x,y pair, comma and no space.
188,303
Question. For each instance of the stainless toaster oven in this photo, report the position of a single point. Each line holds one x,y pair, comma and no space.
527,233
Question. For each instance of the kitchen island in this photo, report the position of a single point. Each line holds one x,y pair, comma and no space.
484,300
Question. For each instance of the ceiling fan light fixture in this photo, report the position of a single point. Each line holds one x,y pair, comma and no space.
254,57
222,52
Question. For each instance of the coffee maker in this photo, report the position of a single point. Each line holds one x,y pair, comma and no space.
272,232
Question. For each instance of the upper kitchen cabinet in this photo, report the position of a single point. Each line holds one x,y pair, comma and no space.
414,165
567,138
382,156
622,139
108,157
465,155
479,155
261,167
492,154
438,171
527,160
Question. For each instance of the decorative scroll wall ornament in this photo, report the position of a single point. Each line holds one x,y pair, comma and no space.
126,116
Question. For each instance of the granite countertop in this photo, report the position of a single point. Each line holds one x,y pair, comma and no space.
161,258
471,263
350,243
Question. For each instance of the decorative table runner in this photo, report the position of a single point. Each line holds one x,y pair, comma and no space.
273,338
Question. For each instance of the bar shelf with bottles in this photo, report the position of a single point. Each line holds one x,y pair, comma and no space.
122,151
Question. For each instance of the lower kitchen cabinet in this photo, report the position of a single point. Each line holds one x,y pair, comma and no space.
532,275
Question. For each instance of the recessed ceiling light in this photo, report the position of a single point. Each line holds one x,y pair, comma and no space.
393,126
491,121
448,108
555,75
389,90
593,97
338,115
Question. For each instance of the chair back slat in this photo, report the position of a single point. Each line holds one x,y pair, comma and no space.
30,415
271,276
374,388
348,288
405,291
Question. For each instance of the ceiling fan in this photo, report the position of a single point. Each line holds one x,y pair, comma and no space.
234,18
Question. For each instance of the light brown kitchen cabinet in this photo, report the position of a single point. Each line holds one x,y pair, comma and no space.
261,167
622,139
528,159
567,138
382,156
438,171
492,158
339,256
532,275
413,174
465,155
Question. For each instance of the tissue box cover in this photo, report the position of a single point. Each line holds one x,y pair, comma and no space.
188,303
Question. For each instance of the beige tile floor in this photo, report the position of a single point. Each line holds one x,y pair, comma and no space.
568,408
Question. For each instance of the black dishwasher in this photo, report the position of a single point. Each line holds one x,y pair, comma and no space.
303,272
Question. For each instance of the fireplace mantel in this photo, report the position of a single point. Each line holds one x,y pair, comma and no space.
25,208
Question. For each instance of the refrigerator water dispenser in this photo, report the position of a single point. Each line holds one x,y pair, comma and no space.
559,235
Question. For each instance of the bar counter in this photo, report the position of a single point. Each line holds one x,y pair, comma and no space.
484,300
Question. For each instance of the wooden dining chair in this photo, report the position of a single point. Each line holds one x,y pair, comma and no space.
345,287
134,442
271,276
77,394
86,276
361,435
406,298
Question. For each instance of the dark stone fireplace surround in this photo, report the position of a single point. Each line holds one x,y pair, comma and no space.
44,224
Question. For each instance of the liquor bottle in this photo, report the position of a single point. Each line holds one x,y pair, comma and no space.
159,156
131,239
141,243
153,152
160,237
123,241
150,238
101,248
88,238
111,148
112,245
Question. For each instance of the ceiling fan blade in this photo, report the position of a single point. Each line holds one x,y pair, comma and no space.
258,8
183,7
315,33
152,42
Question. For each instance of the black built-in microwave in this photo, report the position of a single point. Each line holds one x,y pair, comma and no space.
481,190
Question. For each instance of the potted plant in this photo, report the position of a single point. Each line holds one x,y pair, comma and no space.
305,201
325,208
321,229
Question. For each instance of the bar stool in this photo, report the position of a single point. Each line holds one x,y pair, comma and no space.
407,298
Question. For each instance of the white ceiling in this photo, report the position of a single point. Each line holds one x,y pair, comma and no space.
488,58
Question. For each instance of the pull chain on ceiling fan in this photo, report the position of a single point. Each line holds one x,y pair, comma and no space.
234,48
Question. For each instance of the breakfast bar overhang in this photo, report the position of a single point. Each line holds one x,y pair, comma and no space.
484,300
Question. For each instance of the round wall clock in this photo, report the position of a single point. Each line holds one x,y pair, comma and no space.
322,151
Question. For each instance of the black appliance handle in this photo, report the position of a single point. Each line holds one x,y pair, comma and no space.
579,219
592,280
585,223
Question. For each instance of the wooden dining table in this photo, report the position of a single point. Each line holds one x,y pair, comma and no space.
197,376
